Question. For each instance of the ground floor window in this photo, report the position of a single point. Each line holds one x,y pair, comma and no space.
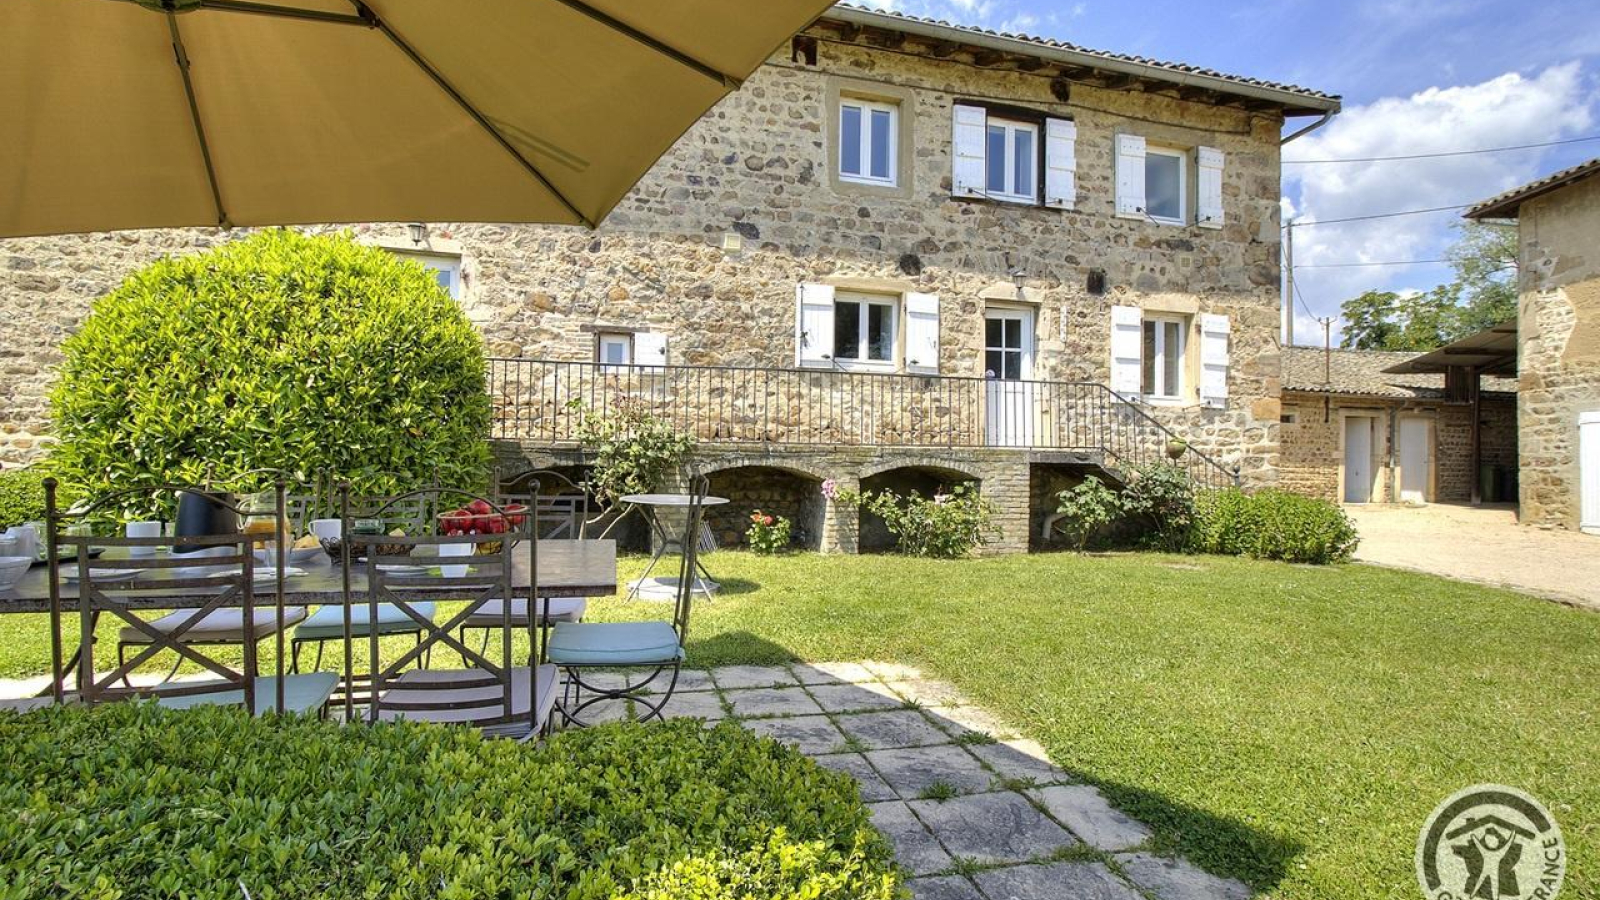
1164,340
614,349
864,329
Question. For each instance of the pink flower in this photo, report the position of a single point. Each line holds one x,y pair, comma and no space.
830,489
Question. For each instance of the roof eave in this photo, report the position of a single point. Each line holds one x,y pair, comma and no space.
1509,204
1294,104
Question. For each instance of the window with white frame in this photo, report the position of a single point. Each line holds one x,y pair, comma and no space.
1163,356
868,141
614,349
1011,161
864,329
446,269
1166,191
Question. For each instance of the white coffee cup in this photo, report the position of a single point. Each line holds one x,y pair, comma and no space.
142,530
454,550
327,529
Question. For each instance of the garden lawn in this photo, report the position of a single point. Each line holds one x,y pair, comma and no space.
1291,726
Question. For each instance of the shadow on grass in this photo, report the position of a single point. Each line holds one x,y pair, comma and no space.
733,648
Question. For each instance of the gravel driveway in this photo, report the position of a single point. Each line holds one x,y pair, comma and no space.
1483,544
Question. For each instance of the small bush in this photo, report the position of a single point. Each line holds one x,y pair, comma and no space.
633,448
1273,524
1161,495
128,800
1087,509
278,350
768,534
944,526
21,496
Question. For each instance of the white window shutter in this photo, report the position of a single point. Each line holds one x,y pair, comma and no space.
922,333
813,325
1130,175
1126,350
1214,360
1208,207
649,350
967,141
1060,163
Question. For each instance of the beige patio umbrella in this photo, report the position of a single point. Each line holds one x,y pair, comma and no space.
152,113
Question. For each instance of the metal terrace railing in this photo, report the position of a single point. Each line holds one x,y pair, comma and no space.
542,402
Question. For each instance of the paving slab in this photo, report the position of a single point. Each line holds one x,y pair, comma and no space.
928,692
873,788
811,735
912,771
606,711
608,681
842,698
1020,759
892,730
758,703
832,673
1178,879
914,846
751,676
691,680
695,705
1091,817
993,828
1078,880
958,720
943,887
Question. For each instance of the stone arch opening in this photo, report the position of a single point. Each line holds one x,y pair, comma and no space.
925,480
779,491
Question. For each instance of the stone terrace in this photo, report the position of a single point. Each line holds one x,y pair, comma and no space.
974,811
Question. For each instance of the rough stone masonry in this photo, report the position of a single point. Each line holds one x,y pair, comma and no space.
762,166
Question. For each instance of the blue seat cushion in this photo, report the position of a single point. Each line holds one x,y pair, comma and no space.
327,623
614,644
301,694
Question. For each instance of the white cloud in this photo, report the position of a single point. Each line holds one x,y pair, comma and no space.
1511,109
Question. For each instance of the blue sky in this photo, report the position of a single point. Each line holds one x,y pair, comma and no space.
1417,77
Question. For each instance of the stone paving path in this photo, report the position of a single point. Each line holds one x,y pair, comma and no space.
974,811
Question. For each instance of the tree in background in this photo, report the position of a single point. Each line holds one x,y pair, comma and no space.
1484,293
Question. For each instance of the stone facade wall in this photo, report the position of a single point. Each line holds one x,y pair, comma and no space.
1312,446
1558,332
758,166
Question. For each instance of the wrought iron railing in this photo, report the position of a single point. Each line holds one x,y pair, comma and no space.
543,402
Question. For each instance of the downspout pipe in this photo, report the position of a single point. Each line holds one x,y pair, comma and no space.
1302,132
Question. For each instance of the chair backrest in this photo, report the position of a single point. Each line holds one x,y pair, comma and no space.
563,504
400,571
131,574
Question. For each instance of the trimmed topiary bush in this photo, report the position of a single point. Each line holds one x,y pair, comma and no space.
1273,524
130,800
279,350
21,496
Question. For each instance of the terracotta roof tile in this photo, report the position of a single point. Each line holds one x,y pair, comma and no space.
1360,372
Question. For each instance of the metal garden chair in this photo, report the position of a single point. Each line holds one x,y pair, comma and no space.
217,608
495,694
580,648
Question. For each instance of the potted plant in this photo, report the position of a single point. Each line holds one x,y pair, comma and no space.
1176,447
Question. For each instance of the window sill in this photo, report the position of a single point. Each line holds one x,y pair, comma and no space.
866,181
853,365
1170,402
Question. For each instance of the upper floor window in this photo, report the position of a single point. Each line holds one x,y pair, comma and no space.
867,141
1164,339
864,329
1166,185
1011,160
1016,160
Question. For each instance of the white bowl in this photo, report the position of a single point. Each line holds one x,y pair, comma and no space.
12,568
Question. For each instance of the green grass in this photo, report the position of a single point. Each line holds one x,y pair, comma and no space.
1288,725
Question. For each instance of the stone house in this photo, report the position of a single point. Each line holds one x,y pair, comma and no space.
904,254
1558,344
1354,431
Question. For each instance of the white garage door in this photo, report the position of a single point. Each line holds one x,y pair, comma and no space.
1589,470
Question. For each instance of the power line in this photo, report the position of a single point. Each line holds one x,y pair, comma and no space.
1368,159
1388,215
1355,265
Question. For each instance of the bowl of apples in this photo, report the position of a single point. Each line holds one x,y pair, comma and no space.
480,518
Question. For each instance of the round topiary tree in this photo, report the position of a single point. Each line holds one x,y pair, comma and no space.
309,354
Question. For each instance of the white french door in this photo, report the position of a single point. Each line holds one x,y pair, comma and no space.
1008,368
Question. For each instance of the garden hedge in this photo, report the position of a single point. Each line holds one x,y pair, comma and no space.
127,800
21,496
1272,524
279,350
